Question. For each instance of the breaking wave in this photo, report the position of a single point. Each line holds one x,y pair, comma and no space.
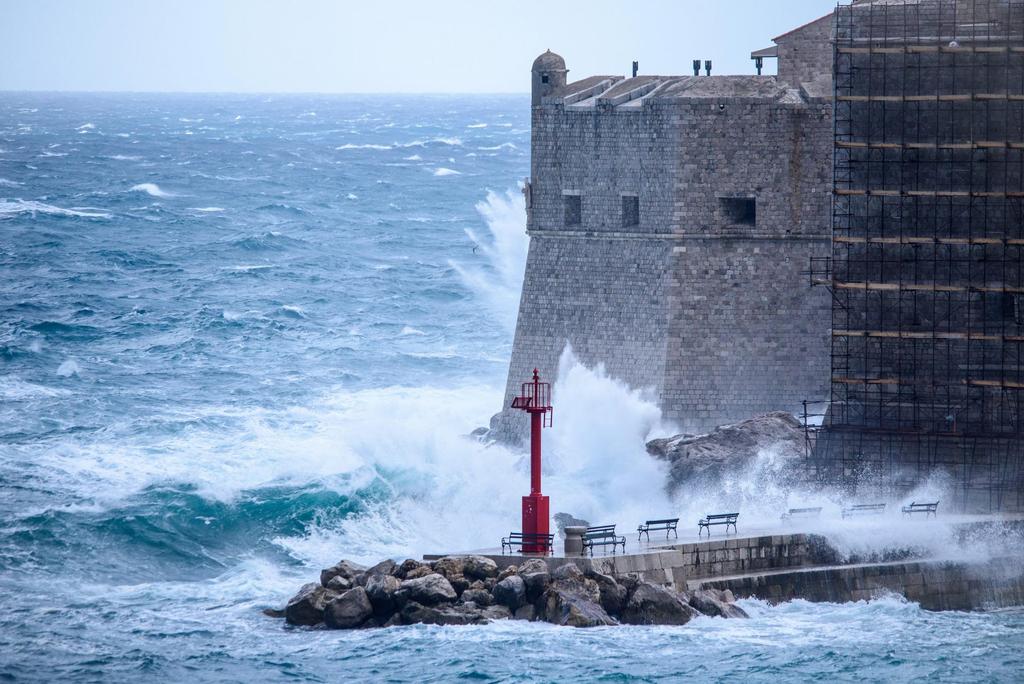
151,189
10,208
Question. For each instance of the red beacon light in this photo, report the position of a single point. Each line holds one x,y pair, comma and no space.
536,401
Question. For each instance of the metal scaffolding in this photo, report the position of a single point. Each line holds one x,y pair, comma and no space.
926,268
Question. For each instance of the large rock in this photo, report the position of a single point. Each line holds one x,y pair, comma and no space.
705,459
345,568
650,604
429,590
385,567
307,606
414,613
613,594
536,577
479,567
573,600
340,584
510,592
450,566
711,603
349,610
410,565
380,589
479,597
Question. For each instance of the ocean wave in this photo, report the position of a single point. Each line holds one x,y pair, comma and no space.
409,330
282,207
502,146
477,125
68,368
125,157
151,189
11,208
5,183
47,153
368,146
442,171
207,210
86,127
452,141
352,196
13,389
413,157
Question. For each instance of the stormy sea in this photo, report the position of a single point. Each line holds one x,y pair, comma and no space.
243,337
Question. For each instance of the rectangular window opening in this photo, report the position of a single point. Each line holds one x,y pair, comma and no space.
630,211
739,210
573,210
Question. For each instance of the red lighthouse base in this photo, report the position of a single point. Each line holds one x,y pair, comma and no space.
535,520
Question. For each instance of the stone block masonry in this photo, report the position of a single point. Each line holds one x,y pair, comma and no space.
672,220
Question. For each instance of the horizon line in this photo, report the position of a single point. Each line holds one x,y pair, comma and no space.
4,91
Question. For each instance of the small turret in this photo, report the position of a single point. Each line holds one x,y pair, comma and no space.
548,75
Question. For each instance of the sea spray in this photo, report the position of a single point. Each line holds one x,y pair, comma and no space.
499,283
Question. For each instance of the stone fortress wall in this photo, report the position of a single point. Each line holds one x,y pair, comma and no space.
671,223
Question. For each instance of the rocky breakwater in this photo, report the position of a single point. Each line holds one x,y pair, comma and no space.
469,590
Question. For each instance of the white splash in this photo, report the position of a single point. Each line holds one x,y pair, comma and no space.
9,208
208,210
68,368
442,171
151,189
351,146
500,282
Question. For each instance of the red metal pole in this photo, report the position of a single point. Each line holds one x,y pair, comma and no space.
536,417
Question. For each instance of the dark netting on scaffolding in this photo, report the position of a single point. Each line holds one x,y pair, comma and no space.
926,269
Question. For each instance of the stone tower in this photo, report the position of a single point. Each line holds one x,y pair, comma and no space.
548,75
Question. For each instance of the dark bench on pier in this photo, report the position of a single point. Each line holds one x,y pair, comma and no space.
668,524
521,539
864,509
717,519
602,535
926,508
802,513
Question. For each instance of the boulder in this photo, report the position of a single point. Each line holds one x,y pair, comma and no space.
613,594
345,568
479,567
429,590
481,597
421,571
349,610
701,460
450,566
459,584
710,603
650,604
507,572
510,592
527,612
414,613
567,572
407,566
536,576
380,589
497,613
385,567
340,583
307,606
565,605
274,612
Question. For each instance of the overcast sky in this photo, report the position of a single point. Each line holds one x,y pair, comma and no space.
371,45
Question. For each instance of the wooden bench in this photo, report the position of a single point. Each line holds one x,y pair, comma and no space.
717,519
802,513
926,508
668,524
602,535
530,540
864,509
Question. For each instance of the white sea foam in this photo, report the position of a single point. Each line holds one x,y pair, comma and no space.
413,157
452,141
208,210
500,282
13,389
12,207
151,189
352,196
68,368
502,146
368,146
47,153
477,125
4,182
125,157
409,330
442,171
86,127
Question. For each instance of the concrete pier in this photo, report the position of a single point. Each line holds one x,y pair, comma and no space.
781,567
